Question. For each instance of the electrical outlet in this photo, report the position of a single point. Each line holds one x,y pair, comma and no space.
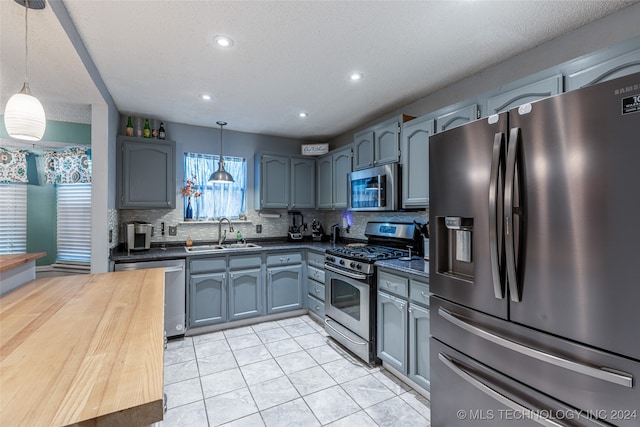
173,230
258,228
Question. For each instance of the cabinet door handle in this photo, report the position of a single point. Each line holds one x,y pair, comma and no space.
423,294
410,310
401,306
317,291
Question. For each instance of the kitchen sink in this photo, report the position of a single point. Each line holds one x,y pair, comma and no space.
241,246
219,248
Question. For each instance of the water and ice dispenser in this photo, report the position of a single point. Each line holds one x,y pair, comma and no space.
455,247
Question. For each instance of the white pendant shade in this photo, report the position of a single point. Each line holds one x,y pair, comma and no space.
24,117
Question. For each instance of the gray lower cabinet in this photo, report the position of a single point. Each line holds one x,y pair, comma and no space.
145,173
315,283
419,345
284,282
208,299
245,294
284,291
403,325
392,331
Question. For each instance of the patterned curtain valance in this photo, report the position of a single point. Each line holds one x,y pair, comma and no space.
13,165
70,166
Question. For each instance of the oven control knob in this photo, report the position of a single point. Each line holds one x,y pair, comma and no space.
359,266
341,262
352,265
331,259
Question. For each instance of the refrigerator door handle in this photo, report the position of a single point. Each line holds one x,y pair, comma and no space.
509,241
511,404
602,373
497,166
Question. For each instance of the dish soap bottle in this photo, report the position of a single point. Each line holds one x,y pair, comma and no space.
189,242
239,237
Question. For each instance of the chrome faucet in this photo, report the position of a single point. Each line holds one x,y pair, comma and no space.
222,236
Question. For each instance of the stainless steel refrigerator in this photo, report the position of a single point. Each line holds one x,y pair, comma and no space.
535,263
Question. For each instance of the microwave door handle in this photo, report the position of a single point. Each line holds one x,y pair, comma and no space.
509,240
497,170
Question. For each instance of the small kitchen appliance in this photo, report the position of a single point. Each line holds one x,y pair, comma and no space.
296,224
137,235
316,231
350,285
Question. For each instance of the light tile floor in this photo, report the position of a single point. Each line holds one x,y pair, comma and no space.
281,373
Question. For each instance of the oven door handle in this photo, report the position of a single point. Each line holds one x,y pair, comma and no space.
326,322
356,276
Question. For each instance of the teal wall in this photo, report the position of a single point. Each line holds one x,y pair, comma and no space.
41,198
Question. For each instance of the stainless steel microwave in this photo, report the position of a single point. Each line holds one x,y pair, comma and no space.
375,189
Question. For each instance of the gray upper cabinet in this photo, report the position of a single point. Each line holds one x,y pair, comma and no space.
363,150
379,144
386,148
617,67
273,182
456,118
415,162
284,182
146,173
528,93
324,181
333,169
342,167
303,186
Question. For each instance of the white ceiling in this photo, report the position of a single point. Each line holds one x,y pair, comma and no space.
156,56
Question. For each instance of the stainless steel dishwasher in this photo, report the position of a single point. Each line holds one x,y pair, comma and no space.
174,291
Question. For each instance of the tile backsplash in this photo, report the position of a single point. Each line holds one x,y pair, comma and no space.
271,227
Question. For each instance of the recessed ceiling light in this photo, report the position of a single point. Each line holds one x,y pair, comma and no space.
303,114
223,41
205,97
356,76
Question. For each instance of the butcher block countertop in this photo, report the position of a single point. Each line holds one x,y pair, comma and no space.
83,350
10,261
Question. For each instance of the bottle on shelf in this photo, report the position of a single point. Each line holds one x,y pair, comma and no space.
129,129
146,132
154,130
161,132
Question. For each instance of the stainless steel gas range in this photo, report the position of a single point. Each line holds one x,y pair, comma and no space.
350,285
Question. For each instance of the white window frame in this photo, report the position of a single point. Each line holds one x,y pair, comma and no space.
13,218
73,210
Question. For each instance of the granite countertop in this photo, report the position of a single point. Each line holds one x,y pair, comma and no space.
176,251
417,266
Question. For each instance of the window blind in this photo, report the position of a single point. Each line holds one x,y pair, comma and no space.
74,222
13,218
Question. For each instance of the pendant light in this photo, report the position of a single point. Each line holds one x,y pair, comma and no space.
221,176
24,116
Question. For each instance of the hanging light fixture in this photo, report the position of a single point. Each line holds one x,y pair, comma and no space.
24,116
221,175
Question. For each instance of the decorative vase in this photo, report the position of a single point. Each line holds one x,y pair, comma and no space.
189,213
